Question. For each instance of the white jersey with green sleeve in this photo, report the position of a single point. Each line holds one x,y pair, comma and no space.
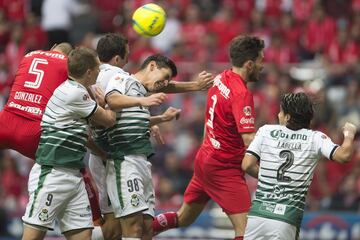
107,72
287,162
64,126
131,133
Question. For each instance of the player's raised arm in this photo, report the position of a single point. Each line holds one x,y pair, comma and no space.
203,81
344,152
167,116
117,101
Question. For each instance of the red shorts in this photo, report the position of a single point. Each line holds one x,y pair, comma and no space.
225,184
19,133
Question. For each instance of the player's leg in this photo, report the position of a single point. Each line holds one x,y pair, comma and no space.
238,221
195,200
75,219
147,227
41,210
226,186
33,232
125,182
110,229
79,234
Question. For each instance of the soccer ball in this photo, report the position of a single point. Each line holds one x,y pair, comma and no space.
149,20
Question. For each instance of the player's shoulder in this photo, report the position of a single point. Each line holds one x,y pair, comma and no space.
268,128
72,91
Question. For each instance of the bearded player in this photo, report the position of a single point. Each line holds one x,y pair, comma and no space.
230,127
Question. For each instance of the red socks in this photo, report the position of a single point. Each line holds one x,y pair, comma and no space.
239,238
93,199
164,221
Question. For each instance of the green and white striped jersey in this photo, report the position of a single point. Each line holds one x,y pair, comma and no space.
287,162
64,127
107,72
131,133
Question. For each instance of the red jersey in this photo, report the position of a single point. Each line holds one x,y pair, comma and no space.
229,112
39,73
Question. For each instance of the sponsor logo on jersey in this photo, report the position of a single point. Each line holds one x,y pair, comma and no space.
135,201
44,215
247,111
224,90
245,120
278,133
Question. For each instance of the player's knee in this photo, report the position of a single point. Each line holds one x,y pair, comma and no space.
112,233
184,219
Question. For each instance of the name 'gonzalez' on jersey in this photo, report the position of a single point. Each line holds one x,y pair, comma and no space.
38,75
229,112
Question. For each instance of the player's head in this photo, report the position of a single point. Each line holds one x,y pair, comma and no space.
296,111
158,71
83,64
247,52
63,47
113,48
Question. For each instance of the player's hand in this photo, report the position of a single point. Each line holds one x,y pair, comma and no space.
153,100
204,80
156,134
171,113
349,130
99,96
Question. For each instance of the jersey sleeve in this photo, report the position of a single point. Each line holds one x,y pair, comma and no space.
82,104
255,146
326,146
116,84
243,111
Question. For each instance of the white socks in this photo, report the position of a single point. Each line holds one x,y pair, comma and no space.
97,233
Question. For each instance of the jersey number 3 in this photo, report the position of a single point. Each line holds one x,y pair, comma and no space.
289,160
37,72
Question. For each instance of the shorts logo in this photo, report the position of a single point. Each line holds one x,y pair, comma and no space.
135,201
44,215
88,208
247,111
86,97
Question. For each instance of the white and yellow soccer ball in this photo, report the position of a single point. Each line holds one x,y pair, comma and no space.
149,20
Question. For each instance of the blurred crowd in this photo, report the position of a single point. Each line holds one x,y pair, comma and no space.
311,46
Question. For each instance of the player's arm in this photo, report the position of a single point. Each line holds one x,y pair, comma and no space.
103,117
344,152
247,138
117,101
170,114
249,164
203,82
95,149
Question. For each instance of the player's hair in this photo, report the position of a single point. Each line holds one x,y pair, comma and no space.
80,60
63,47
110,45
161,62
244,48
300,108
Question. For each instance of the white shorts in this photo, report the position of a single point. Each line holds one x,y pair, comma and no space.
98,172
57,194
260,228
130,186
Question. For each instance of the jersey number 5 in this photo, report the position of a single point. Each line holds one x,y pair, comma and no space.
37,72
289,160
